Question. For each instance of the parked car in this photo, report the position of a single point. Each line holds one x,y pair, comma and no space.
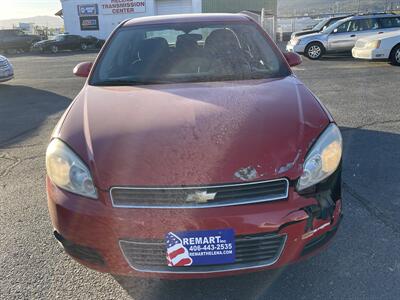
64,42
95,42
320,26
15,39
6,69
379,46
193,151
342,36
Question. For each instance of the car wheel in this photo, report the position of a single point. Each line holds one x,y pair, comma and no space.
54,49
314,51
395,56
84,46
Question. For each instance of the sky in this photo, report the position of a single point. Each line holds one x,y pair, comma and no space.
12,9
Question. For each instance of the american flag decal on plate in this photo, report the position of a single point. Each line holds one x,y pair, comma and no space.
177,254
201,247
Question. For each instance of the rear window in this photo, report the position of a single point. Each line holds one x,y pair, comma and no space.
390,22
187,53
367,24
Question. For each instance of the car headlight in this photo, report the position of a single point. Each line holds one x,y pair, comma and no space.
67,171
295,41
373,45
323,159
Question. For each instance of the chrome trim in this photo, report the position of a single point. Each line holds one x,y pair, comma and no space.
205,271
238,202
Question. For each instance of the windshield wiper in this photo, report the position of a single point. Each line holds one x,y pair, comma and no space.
122,82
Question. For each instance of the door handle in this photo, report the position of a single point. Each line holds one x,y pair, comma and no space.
353,35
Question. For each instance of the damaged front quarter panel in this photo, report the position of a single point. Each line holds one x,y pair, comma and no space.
327,193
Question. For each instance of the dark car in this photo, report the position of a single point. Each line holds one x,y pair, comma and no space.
190,158
95,42
16,39
65,42
323,24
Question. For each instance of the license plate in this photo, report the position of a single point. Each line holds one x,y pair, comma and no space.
191,248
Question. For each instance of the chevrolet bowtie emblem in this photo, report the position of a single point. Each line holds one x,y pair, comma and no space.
200,197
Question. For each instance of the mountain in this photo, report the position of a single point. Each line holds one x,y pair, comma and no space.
301,7
48,21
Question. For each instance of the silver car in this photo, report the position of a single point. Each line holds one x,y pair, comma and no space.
342,35
6,69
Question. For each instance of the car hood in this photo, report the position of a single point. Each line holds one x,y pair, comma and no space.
316,35
193,134
44,42
304,32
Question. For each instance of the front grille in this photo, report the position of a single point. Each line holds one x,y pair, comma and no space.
252,251
4,65
199,197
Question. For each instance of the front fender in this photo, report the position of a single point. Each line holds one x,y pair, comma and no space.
316,39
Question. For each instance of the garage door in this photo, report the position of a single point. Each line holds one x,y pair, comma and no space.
168,7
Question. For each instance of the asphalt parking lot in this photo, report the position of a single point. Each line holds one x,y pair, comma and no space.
362,262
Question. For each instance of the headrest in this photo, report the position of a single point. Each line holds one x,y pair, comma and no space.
153,48
186,42
222,39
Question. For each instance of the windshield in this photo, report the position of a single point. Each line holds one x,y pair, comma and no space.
320,25
58,38
331,27
187,53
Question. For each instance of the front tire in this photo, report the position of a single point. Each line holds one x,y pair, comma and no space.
54,49
314,51
395,56
84,46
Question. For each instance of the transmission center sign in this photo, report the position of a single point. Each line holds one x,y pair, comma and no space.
121,7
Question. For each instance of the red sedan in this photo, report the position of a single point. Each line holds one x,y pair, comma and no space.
193,151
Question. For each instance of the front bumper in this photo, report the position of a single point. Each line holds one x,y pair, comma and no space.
370,54
295,48
91,230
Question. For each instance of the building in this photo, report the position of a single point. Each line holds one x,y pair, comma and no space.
99,17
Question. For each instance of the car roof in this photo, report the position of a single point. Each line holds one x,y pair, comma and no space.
187,18
377,15
339,17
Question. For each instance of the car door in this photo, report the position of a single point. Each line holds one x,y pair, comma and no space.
75,42
2,36
21,40
367,27
8,39
66,43
78,40
343,37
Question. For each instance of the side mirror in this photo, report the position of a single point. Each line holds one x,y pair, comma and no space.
293,59
83,69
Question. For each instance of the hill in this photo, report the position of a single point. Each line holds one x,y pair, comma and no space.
49,21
